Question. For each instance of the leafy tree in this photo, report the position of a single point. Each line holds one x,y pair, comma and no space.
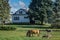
4,10
56,9
40,9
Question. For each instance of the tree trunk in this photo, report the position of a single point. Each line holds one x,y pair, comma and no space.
42,19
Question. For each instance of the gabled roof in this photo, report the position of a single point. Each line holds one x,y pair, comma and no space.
18,12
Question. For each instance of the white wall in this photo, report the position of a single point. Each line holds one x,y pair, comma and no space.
21,19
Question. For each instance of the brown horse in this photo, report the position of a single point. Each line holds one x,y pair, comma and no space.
32,32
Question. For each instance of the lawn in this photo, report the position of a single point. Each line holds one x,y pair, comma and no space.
20,34
30,26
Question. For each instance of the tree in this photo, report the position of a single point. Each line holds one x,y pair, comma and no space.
4,10
56,9
39,9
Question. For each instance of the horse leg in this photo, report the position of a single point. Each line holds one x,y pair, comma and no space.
28,34
38,34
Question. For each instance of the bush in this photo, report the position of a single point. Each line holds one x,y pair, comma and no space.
7,28
55,25
17,24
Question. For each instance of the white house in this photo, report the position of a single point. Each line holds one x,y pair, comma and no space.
20,16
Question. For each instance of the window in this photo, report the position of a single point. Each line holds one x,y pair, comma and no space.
16,18
25,17
20,12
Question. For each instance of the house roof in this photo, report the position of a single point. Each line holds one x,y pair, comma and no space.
19,12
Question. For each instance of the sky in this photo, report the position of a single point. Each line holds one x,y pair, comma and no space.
17,4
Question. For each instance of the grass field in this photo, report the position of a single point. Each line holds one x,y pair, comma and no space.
29,26
20,34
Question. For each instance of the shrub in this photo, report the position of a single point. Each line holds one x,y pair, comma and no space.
7,28
55,25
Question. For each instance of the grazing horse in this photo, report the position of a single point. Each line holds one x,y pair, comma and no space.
32,32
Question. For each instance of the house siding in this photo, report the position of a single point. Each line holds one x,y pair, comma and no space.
20,16
21,19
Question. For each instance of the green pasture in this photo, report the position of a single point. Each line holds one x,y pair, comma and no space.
28,26
20,34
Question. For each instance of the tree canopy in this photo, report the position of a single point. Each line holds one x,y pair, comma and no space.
41,9
4,10
56,9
